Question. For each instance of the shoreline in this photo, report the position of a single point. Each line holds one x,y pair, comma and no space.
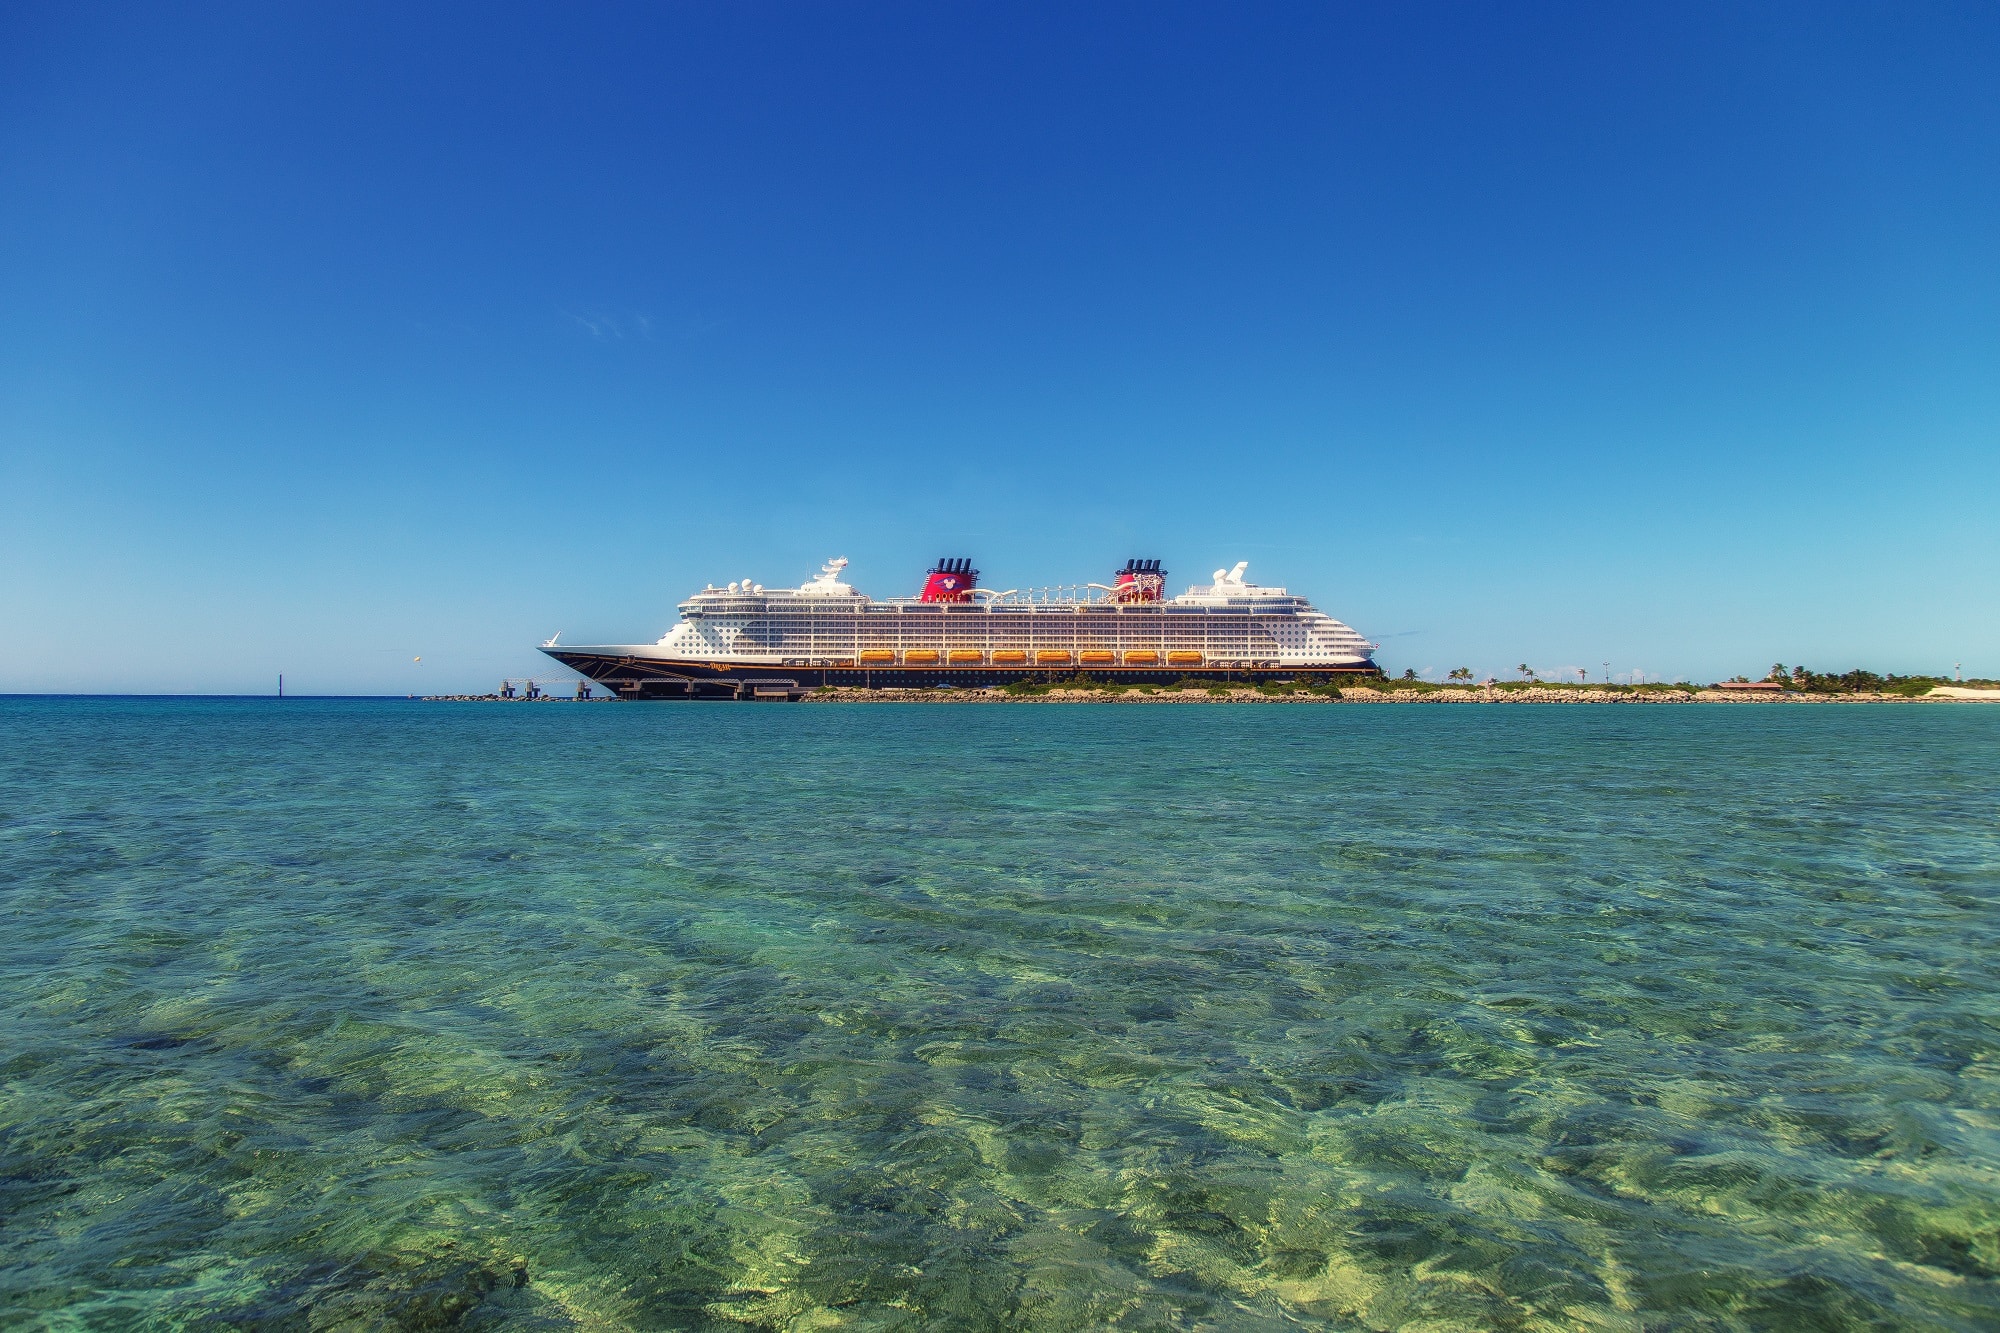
1348,695
1363,695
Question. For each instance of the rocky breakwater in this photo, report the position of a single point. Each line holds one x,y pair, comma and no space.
1132,695
1383,694
1553,694
1648,694
1598,694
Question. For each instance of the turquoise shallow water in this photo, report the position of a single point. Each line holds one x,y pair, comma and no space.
344,1015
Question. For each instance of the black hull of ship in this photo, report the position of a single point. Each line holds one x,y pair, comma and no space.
655,678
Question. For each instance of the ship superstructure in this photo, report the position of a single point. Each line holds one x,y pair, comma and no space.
746,640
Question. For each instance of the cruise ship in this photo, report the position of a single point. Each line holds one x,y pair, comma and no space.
746,641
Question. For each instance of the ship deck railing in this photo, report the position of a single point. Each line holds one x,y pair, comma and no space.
1064,594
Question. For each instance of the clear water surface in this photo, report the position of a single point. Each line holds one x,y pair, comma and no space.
344,1015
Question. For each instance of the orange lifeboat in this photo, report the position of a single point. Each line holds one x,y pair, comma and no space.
1009,657
920,657
1142,657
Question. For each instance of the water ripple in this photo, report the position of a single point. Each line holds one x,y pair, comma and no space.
342,1015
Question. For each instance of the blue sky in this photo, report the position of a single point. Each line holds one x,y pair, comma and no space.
335,336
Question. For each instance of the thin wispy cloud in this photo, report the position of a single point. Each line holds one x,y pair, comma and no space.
639,325
607,327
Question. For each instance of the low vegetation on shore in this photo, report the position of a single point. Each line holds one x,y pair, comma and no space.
1385,685
1800,685
1350,692
1028,688
1799,681
1804,680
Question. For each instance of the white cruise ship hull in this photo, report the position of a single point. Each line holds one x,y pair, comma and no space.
744,642
632,672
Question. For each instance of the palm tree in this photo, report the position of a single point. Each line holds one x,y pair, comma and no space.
1459,673
1527,672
